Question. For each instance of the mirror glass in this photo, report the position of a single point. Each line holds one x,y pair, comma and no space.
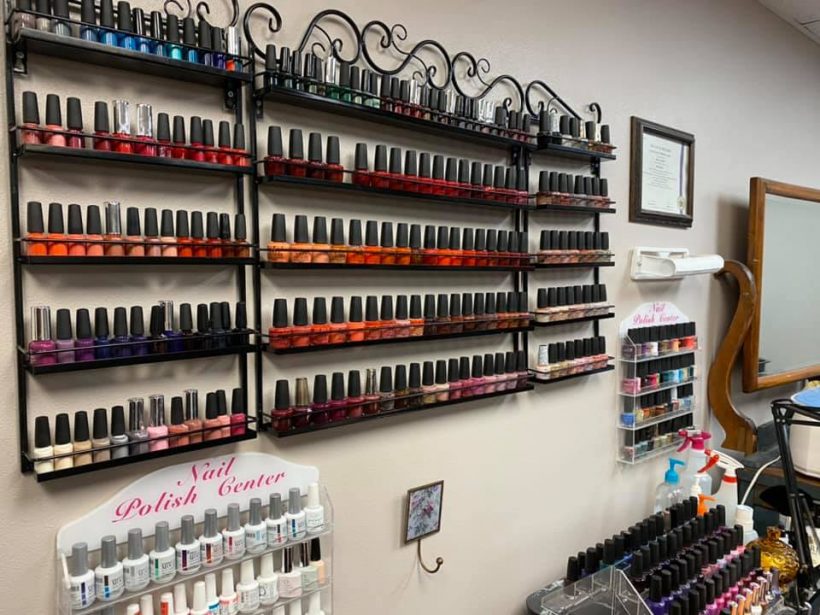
790,293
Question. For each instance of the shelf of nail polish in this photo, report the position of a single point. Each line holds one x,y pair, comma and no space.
648,343
539,377
577,303
663,386
650,449
637,411
569,321
585,194
154,50
575,248
639,378
429,385
686,408
567,135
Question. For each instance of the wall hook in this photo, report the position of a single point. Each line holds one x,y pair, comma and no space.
439,562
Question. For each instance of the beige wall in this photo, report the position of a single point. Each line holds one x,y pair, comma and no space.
528,481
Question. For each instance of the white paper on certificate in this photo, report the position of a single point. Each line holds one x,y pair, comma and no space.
664,175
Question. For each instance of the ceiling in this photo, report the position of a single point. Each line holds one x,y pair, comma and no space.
802,14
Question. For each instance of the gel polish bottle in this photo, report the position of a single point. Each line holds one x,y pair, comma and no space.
187,549
234,534
137,434
82,585
200,602
275,522
42,445
247,589
62,443
211,597
268,581
135,566
314,511
290,581
228,600
162,558
110,582
255,528
118,436
210,543
295,516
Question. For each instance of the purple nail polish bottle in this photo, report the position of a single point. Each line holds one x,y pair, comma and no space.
102,348
120,334
138,332
41,342
65,340
190,340
158,343
84,343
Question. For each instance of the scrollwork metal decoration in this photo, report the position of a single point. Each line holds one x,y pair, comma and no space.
476,69
335,45
274,25
553,100
177,4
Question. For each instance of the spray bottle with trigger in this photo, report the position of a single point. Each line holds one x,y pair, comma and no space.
727,491
696,458
697,492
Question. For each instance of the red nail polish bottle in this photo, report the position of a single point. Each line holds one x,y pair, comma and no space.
30,132
355,254
338,404
492,248
402,317
439,185
416,253
76,247
225,154
225,237
280,334
511,185
101,127
122,127
355,400
35,231
56,231
338,326
282,411
451,188
388,322
200,249
498,193
145,145
320,329
74,123
185,247
163,149
240,152
208,148
195,151
315,166
178,149
429,253
396,177
301,328
355,323
403,252
238,412
372,249
320,408
93,232
212,235
372,322
416,317
388,251
521,190
468,252
430,317
501,245
425,183
444,256
54,121
296,163
302,411
361,174
274,161
334,171
464,188
443,325
380,177
456,257
482,256
411,180
384,92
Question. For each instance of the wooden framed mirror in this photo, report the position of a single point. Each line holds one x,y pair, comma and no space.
783,344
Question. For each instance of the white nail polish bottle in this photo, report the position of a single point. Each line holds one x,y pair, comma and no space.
210,543
295,608
162,558
290,581
81,578
132,609
277,526
200,604
166,603
255,528
62,442
42,445
268,581
188,551
228,600
135,566
211,598
279,610
295,515
247,589
314,511
180,600
310,576
109,575
147,605
315,604
234,534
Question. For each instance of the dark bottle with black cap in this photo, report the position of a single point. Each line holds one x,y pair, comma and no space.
190,340
120,343
189,51
99,437
238,412
158,343
296,164
137,332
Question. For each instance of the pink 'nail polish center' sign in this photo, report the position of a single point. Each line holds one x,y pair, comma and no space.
187,489
652,315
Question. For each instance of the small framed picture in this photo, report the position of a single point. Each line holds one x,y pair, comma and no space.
662,177
423,511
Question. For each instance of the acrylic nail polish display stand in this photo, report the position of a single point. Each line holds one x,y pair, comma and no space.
607,591
22,41
221,481
651,416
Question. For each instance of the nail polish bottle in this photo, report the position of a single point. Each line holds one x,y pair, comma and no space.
64,344
282,411
268,581
386,394
355,399
387,321
355,254
280,334
443,253
388,252
120,346
137,433
295,517
205,43
156,32
416,319
402,324
122,127
442,387
136,569
274,161
456,254
82,439
465,384
275,522
239,412
456,319
424,184
222,414
372,250
301,331
162,558
315,166
415,393
218,43
482,256
43,448
490,379
395,176
242,248
372,324
113,230
169,330
54,122
320,329
137,347
468,317
338,326
196,151
189,51
478,384
74,122
192,421
224,155
296,164
307,412
451,187
145,145
361,173
101,126
234,534
102,349
454,384
30,128
177,427
428,383
380,178
109,579
255,529
290,581
208,142
118,436
133,234
62,443
56,231
443,325
278,247
371,396
301,246
157,426
213,238
33,244
321,246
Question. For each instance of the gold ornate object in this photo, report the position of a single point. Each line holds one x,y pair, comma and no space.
774,553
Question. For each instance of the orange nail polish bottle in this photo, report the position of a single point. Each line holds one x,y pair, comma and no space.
56,231
338,326
301,245
319,330
402,250
372,249
388,251
278,247
338,249
76,246
355,324
321,247
200,249
355,254
35,230
185,246
372,322
301,328
152,245
133,234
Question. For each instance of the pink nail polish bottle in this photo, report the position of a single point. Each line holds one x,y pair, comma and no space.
222,413
157,428
238,412
477,378
74,123
30,132
54,121
65,340
41,342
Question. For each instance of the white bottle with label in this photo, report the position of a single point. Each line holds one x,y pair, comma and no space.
162,558
200,602
310,576
211,550
290,580
188,550
211,597
234,534
43,447
276,522
81,578
228,600
247,589
146,605
315,604
314,511
255,529
180,600
135,566
268,581
110,581
295,516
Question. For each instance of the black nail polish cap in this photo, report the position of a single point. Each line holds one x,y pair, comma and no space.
395,160
337,310
203,323
155,321
402,235
428,377
387,235
319,311
181,223
207,133
172,28
62,431
225,227
355,309
424,165
179,129
332,154
415,306
75,220
240,227
386,312
74,114
401,307
492,240
442,239
280,313
196,130
81,432
55,218
371,233
42,432
224,134
300,312
120,322
83,324
487,176
278,228
337,232
64,325
106,13
31,112
415,376
438,167
361,157
380,162
167,224
301,229
371,309
455,238
296,145
205,41
451,173
410,163
186,317
314,147
189,31
100,424
478,368
212,225
34,217
225,311
93,222
124,20
415,236
320,229
386,380
138,19
177,412
354,233
211,405
275,141
480,239
163,128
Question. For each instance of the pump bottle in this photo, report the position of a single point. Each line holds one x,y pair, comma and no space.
669,492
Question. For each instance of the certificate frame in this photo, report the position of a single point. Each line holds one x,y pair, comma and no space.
640,209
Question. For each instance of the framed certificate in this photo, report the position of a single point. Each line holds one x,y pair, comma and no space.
662,175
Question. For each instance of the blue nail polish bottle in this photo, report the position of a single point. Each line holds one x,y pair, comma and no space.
125,25
189,39
88,17
102,348
107,35
142,43
120,334
138,331
220,340
172,48
157,47
206,56
218,43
